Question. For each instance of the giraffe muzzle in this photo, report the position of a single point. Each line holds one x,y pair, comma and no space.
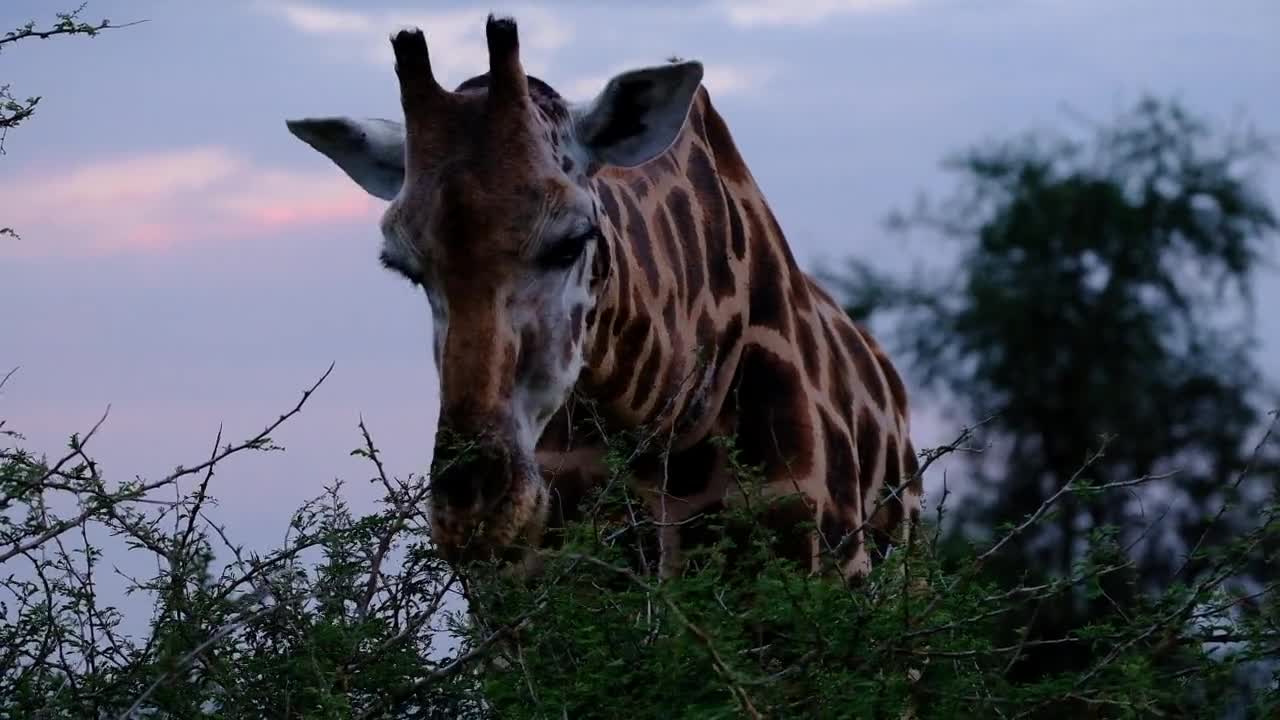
487,501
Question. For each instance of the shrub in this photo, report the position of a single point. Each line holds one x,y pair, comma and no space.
351,616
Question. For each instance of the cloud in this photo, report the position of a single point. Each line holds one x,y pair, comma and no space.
772,13
729,79
156,201
455,37
313,19
456,40
721,79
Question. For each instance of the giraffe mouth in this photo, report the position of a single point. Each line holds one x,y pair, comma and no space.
499,528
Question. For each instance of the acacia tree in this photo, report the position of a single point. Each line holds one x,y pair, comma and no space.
1102,296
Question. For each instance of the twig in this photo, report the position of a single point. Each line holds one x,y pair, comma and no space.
1040,511
4,380
65,27
1244,472
259,441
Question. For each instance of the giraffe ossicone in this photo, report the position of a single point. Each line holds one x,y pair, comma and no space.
616,252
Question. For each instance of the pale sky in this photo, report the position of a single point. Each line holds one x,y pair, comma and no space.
189,263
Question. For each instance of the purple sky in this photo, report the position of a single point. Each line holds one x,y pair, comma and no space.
187,261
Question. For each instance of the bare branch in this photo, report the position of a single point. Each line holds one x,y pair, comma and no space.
258,442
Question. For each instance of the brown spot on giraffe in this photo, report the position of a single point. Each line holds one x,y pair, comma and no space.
729,161
617,253
647,378
839,462
838,386
670,248
611,207
737,236
644,251
715,228
867,368
867,442
808,344
774,427
695,270
768,306
629,346
688,472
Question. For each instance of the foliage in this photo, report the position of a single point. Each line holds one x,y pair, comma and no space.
1103,288
317,627
350,617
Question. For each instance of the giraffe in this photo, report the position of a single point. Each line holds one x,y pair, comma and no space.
618,252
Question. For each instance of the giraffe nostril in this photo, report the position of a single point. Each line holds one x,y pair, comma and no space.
471,475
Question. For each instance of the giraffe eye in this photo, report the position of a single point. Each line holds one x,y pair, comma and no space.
565,252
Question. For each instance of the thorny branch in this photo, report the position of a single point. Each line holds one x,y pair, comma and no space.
98,504
67,24
12,111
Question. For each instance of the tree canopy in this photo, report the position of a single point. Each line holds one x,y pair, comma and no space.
1101,309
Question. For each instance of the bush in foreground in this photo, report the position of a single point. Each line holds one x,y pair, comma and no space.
353,616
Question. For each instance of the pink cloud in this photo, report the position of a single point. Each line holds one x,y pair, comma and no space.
151,236
153,202
271,199
304,212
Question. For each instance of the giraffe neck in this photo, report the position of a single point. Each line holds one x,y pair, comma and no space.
707,327
682,231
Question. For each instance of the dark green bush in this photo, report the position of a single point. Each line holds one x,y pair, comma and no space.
350,617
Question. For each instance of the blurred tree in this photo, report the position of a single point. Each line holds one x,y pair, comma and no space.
1103,288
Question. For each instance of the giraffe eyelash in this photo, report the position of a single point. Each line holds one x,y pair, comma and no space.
566,251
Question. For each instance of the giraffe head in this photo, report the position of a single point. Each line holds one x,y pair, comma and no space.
493,214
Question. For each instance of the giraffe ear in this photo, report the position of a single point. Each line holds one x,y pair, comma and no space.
638,114
369,151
